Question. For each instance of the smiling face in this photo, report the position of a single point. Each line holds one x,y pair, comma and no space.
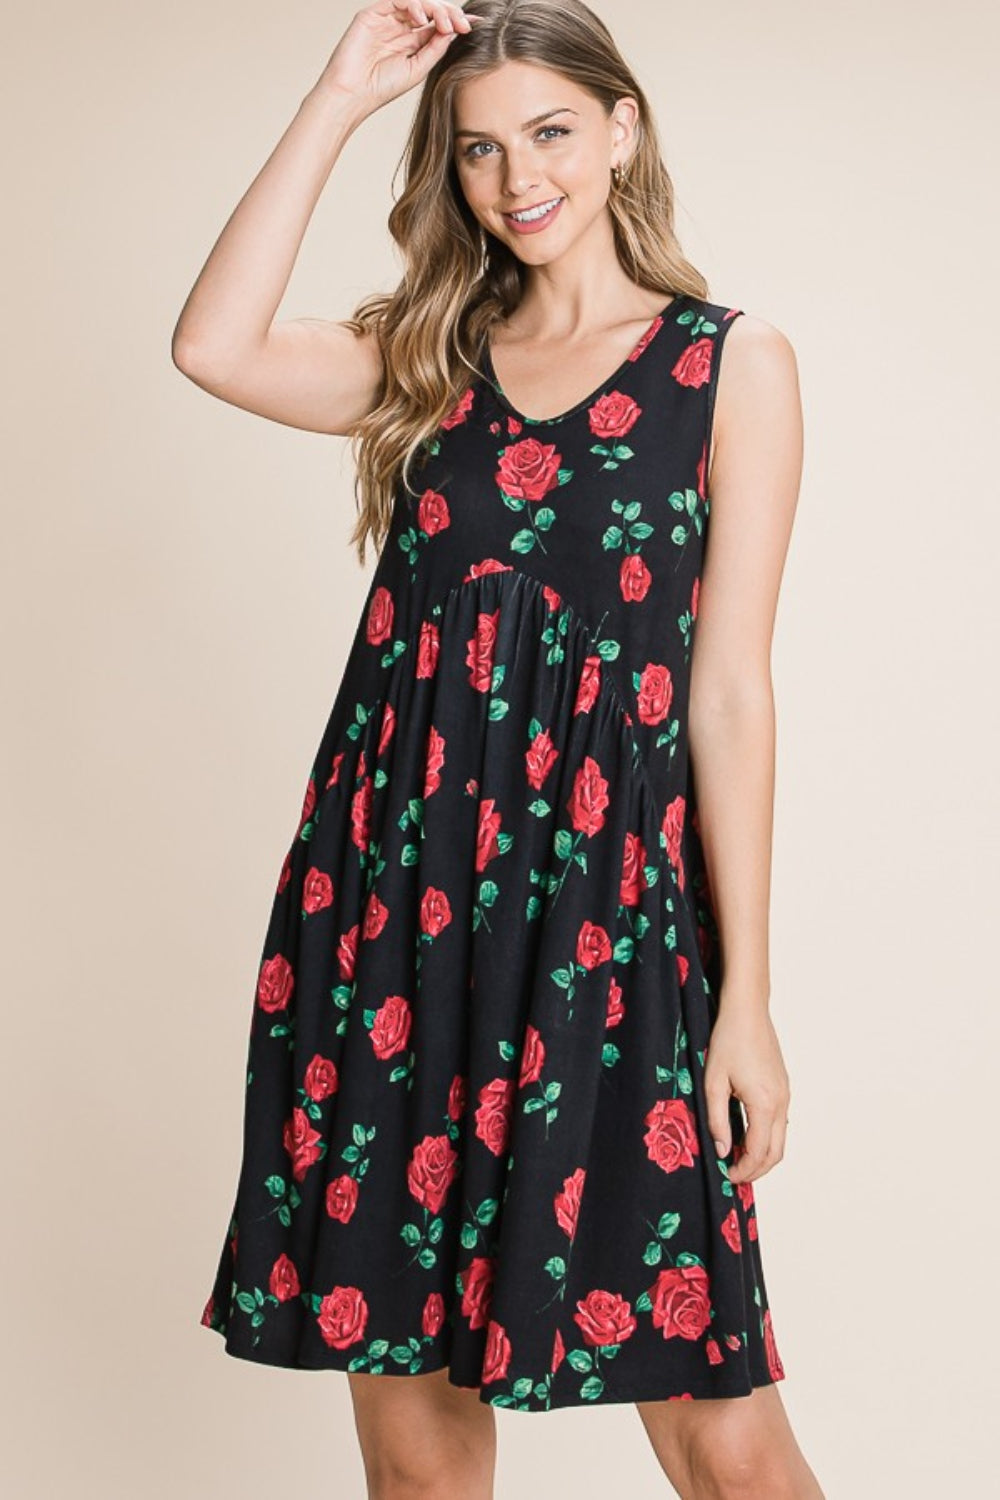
526,137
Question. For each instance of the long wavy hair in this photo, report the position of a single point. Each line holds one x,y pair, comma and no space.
459,280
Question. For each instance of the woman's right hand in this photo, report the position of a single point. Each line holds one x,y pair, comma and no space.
391,46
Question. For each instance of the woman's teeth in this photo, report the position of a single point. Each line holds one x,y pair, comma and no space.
535,213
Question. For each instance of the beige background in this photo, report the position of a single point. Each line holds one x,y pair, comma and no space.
178,600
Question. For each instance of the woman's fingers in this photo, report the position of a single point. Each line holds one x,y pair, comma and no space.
437,13
764,1142
755,1145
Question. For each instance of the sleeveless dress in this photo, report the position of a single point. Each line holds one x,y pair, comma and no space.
475,1131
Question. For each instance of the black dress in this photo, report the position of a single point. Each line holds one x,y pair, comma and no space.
475,1129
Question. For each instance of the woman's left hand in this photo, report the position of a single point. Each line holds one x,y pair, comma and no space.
744,1058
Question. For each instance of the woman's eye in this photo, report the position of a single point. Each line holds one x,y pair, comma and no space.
473,151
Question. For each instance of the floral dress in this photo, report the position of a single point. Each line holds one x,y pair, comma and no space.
475,1132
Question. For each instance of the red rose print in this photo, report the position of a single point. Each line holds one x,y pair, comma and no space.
286,873
343,1317
593,946
459,413
713,1351
433,1316
456,1098
489,565
376,914
431,1171
540,757
681,1306
673,832
428,649
380,617
604,1318
528,470
695,364
434,762
480,649
432,513
386,731
283,1282
616,1010
321,1079
589,800
308,804
745,1191
493,1115
477,1290
208,1312
496,1358
552,598
275,983
647,337
532,1056
342,1197
634,579
435,912
633,871
589,685
301,1142
700,472
391,1028
361,807
731,1231
487,842
695,590
671,1138
558,1352
682,968
774,1365
613,415
567,1202
317,891
656,691
347,950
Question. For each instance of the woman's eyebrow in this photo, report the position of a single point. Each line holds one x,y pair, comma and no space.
528,124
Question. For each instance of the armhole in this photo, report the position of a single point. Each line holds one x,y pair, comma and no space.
713,384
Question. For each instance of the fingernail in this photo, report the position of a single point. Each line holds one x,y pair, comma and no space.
720,1147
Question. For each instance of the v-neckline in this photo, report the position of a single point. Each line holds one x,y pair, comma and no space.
634,353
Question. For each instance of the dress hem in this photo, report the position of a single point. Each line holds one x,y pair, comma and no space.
619,1396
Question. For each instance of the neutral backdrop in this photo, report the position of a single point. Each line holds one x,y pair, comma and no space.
178,599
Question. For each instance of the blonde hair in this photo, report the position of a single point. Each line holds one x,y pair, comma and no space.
431,328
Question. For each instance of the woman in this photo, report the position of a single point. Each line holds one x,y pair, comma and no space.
487,1145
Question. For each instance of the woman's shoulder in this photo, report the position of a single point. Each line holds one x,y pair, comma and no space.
757,373
755,337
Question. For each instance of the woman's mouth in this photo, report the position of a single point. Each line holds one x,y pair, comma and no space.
538,216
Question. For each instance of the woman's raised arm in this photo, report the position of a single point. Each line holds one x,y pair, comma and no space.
305,372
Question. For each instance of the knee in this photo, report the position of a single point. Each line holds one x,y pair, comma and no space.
740,1467
395,1478
457,1467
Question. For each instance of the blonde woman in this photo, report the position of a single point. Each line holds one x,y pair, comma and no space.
514,994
